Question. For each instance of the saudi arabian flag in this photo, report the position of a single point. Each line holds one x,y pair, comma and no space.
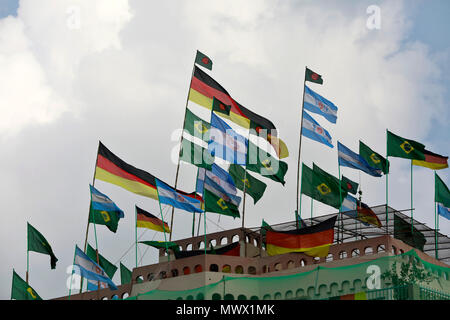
311,76
125,274
441,194
253,186
375,160
196,126
21,290
37,243
203,60
403,148
109,268
195,154
265,164
216,204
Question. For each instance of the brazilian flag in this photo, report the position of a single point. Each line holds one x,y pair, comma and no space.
375,160
196,126
195,154
21,290
404,148
214,203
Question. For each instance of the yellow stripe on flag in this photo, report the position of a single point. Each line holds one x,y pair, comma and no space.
319,251
149,225
132,186
431,165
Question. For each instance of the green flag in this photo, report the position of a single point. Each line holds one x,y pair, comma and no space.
196,126
402,231
109,268
265,164
195,154
220,107
125,274
214,203
37,243
402,148
349,185
375,160
109,219
203,60
254,187
311,76
441,194
21,290
162,245
327,187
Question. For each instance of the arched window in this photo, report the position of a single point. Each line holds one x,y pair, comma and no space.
200,296
228,296
139,279
278,267
368,250
329,258
214,267
242,297
355,252
198,268
226,268
251,270
381,248
216,296
303,262
239,270
342,255
174,272
291,264
150,276
224,240
125,295
186,270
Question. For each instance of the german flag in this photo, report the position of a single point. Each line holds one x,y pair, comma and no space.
204,89
145,219
314,241
110,168
432,160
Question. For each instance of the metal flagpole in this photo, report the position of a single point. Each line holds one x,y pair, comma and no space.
181,138
340,201
135,233
436,220
164,228
28,257
193,213
412,228
71,275
297,195
387,187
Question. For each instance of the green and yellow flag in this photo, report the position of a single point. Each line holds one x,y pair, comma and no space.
403,148
216,204
195,154
21,290
265,164
442,193
375,160
196,126
109,268
253,186
37,243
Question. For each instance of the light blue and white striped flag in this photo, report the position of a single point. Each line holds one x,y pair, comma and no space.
316,103
443,211
170,196
313,130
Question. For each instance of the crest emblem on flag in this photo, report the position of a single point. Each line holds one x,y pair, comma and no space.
323,189
105,216
266,163
222,204
374,158
200,127
407,147
205,60
30,291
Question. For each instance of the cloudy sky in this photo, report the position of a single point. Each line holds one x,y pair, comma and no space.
75,72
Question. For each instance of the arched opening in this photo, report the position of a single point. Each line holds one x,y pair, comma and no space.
226,268
242,297
291,264
174,272
223,240
239,270
214,267
213,243
201,245
254,298
329,258
139,279
277,296
189,297
150,276
216,296
198,268
125,295
267,297
394,250
278,267
316,259
104,298
303,262
355,253
189,247
342,255
368,250
162,275
200,296
381,248
235,238
289,295
228,296
186,270
251,270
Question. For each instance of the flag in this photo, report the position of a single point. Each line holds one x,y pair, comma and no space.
349,185
220,107
366,215
375,160
21,290
162,245
125,274
90,270
233,249
223,189
311,76
195,154
432,160
104,211
196,126
315,103
348,158
225,143
203,60
145,219
312,130
253,186
441,197
204,88
200,183
109,268
217,204
402,231
402,148
265,164
314,241
37,243
349,206
170,196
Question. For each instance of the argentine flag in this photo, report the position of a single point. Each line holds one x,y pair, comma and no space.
90,270
348,158
225,143
170,196
349,206
101,202
316,103
311,129
443,211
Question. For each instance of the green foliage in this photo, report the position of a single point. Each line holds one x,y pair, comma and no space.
410,273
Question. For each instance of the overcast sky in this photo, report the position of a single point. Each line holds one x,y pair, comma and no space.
79,71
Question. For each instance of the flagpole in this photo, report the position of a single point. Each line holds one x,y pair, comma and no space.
297,195
181,138
193,213
96,246
340,201
245,182
436,219
71,275
412,228
387,198
135,233
28,257
164,228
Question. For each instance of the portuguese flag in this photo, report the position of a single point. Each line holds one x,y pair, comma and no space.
203,60
204,89
314,241
403,148
145,219
311,76
432,160
21,290
375,160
